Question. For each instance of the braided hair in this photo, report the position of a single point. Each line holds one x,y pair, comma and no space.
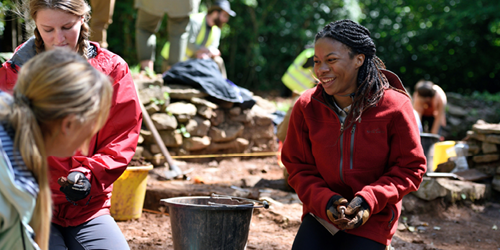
75,7
371,82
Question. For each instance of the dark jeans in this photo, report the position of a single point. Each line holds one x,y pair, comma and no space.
99,233
313,235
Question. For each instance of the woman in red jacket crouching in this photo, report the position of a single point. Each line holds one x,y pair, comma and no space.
81,217
352,148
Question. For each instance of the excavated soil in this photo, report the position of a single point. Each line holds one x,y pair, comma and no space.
437,225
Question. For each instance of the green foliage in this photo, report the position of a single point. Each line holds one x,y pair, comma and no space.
266,36
486,96
454,43
182,130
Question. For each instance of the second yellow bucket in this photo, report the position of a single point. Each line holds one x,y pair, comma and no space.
440,154
128,194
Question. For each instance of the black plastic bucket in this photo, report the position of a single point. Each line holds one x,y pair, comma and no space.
210,222
427,141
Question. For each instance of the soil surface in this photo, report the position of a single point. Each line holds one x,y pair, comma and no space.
436,225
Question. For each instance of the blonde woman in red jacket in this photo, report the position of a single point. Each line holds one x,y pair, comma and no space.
81,217
353,147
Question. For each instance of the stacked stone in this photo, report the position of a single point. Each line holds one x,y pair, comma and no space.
192,123
483,141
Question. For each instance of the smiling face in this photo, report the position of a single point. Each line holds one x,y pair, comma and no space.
58,28
336,70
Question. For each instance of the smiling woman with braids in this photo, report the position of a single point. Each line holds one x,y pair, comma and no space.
82,198
353,147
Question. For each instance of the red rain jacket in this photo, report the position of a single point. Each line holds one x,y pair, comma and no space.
379,158
111,149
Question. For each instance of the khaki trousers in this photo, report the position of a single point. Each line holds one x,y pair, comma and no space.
102,13
148,24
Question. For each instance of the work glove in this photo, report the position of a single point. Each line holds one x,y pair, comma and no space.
335,210
358,211
76,186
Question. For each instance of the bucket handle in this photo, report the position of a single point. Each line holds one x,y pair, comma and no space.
264,204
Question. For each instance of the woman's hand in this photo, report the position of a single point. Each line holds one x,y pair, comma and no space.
359,212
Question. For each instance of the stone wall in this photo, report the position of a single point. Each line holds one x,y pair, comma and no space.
483,141
463,112
192,123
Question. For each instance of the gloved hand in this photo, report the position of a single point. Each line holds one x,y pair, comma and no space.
335,210
76,186
358,211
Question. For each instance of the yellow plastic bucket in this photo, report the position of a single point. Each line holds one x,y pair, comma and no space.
440,154
128,194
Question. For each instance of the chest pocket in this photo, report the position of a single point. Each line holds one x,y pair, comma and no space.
368,145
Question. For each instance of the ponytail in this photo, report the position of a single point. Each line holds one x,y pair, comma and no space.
32,151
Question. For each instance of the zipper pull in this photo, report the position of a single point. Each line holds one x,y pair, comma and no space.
353,128
341,127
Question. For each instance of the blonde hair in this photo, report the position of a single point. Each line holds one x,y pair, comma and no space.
76,7
50,87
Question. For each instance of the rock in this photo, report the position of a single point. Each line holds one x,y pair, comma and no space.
146,82
430,189
266,105
493,139
164,121
154,148
487,168
147,95
203,102
260,117
198,126
147,135
183,118
245,117
258,132
182,108
237,145
226,132
461,190
171,138
250,181
474,135
485,158
138,152
152,108
487,128
185,92
234,111
218,117
205,111
196,143
488,148
495,183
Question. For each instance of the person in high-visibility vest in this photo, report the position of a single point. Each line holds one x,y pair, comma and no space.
204,32
299,77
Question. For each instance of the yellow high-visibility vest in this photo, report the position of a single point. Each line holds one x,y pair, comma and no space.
200,17
297,78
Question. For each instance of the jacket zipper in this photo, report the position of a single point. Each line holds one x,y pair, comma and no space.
392,218
352,145
341,140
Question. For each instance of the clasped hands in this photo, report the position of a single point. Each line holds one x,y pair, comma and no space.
348,215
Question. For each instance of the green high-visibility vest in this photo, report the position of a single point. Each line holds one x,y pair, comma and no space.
297,78
200,17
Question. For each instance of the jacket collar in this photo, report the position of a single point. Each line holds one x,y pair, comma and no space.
28,50
393,79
